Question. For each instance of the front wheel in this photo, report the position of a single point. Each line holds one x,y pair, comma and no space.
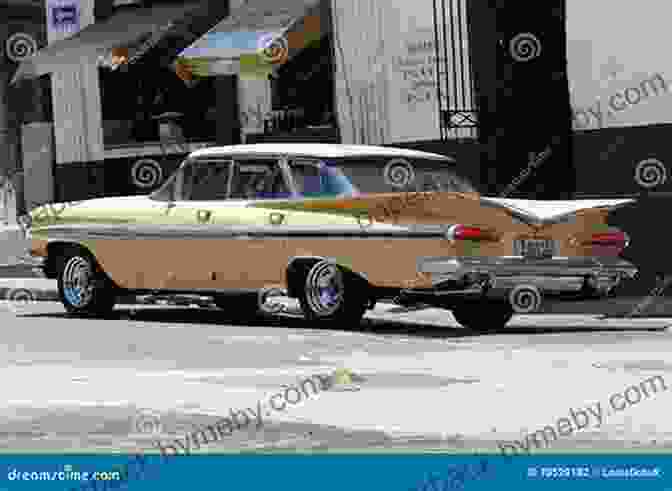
83,288
327,295
483,316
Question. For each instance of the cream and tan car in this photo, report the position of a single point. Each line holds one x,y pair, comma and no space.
285,217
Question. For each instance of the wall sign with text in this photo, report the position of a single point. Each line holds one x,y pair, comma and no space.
63,16
416,67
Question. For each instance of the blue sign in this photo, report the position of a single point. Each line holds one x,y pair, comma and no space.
65,17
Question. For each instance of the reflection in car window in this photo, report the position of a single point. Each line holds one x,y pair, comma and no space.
206,180
171,190
306,179
446,181
317,179
258,179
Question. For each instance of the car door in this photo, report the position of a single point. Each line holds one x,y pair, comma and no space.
202,187
258,252
232,245
186,258
171,255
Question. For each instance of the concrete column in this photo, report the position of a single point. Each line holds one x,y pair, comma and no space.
78,126
6,160
228,121
254,102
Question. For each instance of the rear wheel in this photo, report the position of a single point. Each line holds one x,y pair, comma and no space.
483,316
329,295
83,288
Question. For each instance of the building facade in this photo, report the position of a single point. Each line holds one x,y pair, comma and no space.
370,79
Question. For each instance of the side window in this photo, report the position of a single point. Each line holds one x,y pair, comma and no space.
307,177
171,190
206,180
313,178
447,181
258,179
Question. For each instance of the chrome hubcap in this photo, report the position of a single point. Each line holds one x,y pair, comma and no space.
78,282
324,288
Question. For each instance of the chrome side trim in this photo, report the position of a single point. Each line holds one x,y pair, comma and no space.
214,231
559,284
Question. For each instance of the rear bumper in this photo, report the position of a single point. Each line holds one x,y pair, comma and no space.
560,274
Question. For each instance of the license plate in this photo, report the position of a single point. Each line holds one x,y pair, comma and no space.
535,248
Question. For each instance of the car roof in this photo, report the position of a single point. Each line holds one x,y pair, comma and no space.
319,150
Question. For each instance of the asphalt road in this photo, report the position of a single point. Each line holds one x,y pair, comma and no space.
151,372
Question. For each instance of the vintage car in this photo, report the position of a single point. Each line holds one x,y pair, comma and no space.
285,218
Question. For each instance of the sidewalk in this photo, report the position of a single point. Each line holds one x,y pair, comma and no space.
12,244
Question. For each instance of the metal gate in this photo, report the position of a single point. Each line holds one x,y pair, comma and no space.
454,83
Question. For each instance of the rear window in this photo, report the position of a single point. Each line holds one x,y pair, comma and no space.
386,175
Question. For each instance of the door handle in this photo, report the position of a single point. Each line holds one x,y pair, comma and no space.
168,207
203,216
276,218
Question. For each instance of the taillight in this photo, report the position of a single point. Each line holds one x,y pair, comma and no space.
462,232
613,242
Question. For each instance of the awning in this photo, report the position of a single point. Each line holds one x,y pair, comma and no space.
137,29
256,39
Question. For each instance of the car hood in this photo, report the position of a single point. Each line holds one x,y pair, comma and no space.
104,209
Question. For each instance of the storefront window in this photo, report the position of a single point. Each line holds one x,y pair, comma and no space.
134,97
303,90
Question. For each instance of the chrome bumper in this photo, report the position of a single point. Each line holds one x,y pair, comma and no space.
559,274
